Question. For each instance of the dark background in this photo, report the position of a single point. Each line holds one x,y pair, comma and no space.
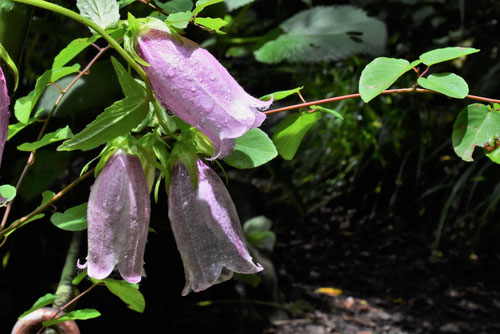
358,209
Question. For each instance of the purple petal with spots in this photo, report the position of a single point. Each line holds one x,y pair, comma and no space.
190,82
118,218
4,113
207,229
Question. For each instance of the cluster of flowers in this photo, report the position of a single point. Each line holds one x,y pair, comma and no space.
192,84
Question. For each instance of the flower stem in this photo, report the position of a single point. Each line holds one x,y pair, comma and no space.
389,91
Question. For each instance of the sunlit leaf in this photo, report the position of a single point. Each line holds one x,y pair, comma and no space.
179,20
235,4
289,133
72,50
380,74
201,4
73,219
440,55
129,293
48,138
105,13
7,193
41,302
211,23
279,95
475,126
252,149
448,84
175,6
83,314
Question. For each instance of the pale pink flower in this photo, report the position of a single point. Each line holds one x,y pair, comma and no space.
191,83
118,218
207,229
4,113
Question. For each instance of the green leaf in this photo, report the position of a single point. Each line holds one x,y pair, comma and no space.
201,4
47,139
105,13
72,50
380,74
440,55
10,63
324,34
83,314
6,5
175,6
41,302
179,20
476,125
24,105
73,219
127,292
290,131
7,193
281,94
330,111
252,149
235,4
15,128
210,23
494,155
78,278
448,84
258,233
130,87
114,121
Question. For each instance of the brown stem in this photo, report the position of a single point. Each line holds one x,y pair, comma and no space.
44,207
389,91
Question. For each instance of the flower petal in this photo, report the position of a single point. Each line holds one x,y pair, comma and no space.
190,82
4,113
207,229
118,218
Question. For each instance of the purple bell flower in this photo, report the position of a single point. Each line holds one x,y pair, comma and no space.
207,229
191,83
4,113
118,218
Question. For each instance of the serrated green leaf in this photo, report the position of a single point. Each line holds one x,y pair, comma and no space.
105,13
48,138
289,133
7,193
235,4
279,95
179,20
330,111
83,314
448,84
130,87
72,50
25,105
114,121
73,219
380,74
476,125
41,302
10,63
440,55
201,4
175,6
211,23
128,293
252,149
325,34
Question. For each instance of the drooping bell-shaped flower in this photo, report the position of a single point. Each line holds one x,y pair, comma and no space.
118,218
207,229
191,83
4,113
